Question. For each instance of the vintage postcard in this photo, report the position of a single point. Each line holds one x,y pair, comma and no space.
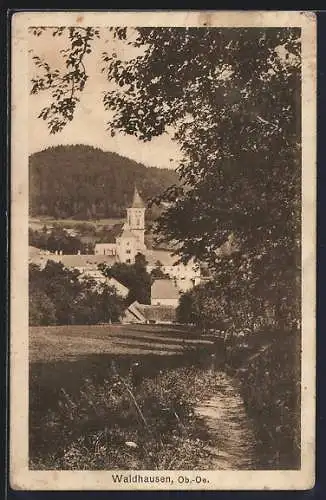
163,187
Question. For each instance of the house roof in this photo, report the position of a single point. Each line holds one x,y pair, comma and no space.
137,201
134,309
75,261
158,314
96,275
164,256
85,260
164,289
93,273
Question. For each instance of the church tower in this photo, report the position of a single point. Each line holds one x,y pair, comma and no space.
136,219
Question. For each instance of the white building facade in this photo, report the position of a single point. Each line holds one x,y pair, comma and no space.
131,241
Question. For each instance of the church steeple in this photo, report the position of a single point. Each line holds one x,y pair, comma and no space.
136,219
137,201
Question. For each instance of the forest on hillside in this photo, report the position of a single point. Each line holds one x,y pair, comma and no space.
83,182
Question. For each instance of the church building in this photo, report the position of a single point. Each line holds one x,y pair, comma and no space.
132,237
131,241
128,243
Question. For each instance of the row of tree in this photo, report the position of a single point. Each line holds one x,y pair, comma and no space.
87,183
57,295
57,239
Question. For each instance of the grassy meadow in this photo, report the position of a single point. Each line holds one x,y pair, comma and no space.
125,396
96,388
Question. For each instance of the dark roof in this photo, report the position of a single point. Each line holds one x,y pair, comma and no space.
158,313
153,313
137,201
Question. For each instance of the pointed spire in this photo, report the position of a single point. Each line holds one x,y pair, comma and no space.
137,202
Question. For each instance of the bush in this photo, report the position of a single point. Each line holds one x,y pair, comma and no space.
125,423
271,387
267,365
58,296
41,309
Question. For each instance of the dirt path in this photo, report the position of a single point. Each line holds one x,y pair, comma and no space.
232,439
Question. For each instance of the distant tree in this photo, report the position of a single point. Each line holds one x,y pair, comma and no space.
86,183
41,308
157,272
112,305
58,239
62,287
140,262
134,276
203,307
185,310
58,296
142,290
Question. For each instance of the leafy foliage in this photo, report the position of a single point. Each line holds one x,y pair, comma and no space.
41,308
58,296
56,239
238,297
94,428
65,88
237,117
134,276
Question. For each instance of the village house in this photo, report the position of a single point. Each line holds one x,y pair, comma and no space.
128,243
164,292
131,241
150,314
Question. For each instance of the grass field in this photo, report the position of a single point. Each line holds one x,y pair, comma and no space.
63,343
82,415
64,356
71,365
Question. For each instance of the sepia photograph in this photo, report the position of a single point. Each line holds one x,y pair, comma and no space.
163,250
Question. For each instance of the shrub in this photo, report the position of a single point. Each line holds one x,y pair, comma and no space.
267,365
41,309
123,423
58,296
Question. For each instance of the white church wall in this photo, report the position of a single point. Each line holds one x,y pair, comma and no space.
126,250
105,249
136,224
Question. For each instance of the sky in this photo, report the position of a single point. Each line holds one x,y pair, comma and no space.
89,124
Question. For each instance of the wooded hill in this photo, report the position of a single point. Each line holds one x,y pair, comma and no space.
83,182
